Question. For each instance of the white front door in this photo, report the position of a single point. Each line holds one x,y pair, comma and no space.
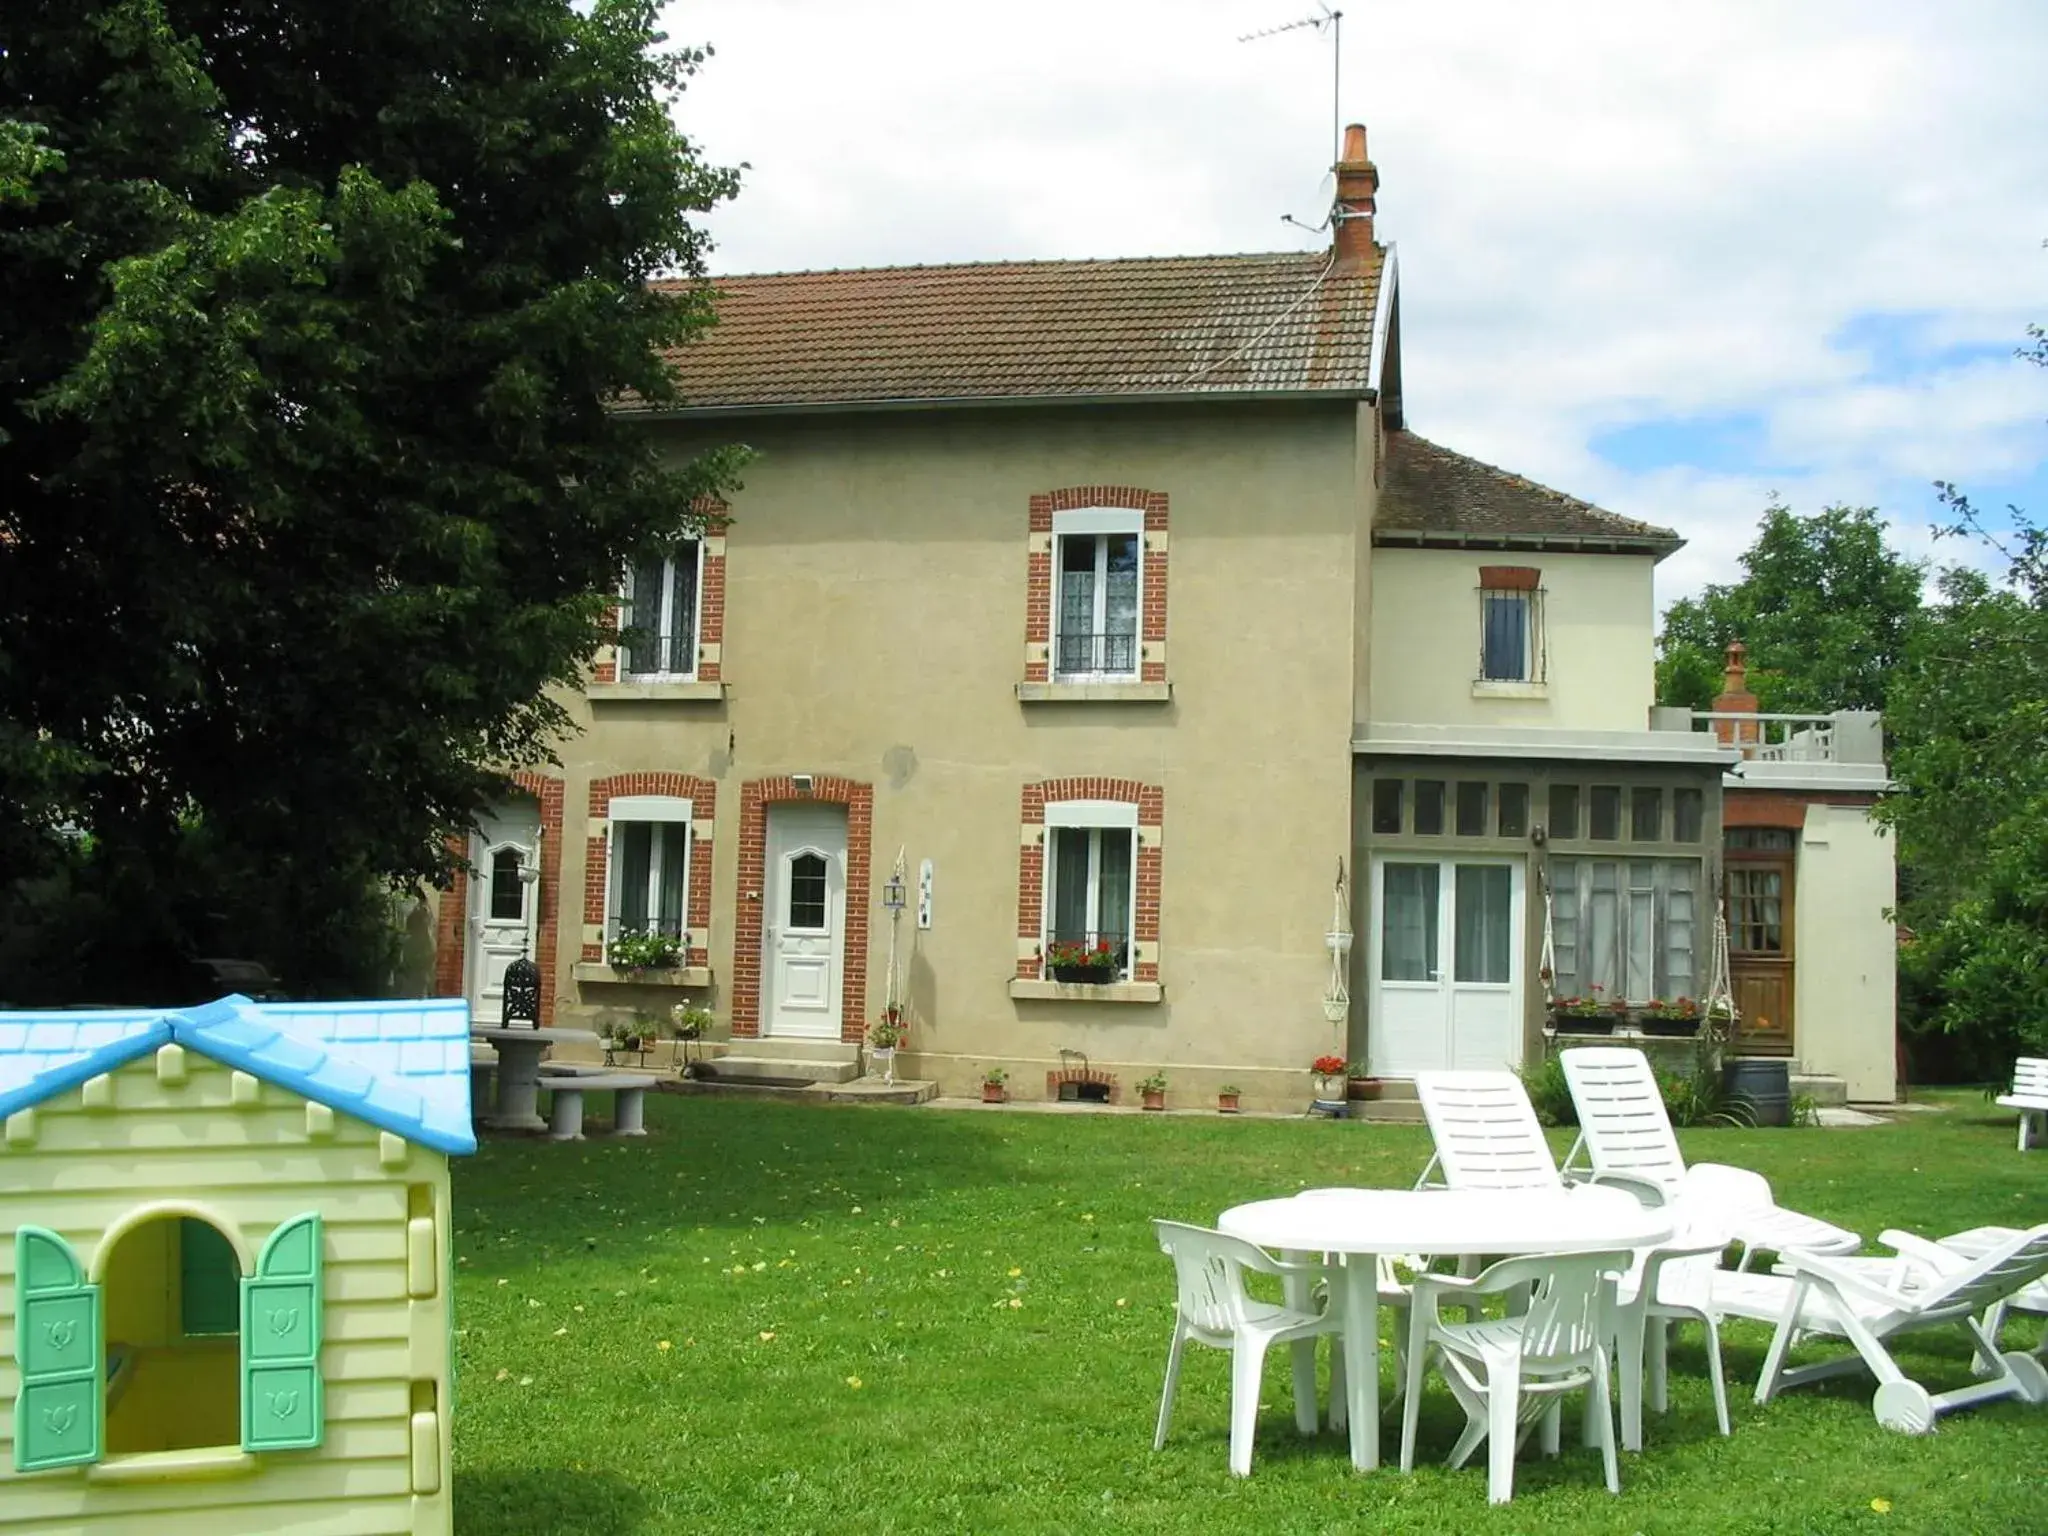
1446,964
504,902
806,919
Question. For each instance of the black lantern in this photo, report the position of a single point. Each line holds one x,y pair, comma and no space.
522,993
893,894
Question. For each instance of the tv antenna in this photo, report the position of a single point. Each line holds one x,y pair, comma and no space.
1333,22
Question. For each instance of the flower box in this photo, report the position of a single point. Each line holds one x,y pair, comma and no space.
1651,1024
1084,975
1583,1024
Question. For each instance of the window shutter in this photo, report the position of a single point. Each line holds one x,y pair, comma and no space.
60,1411
281,1385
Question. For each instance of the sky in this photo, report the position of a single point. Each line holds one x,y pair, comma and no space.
1672,256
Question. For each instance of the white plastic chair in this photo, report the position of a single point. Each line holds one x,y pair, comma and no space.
1851,1301
1215,1309
1486,1133
1625,1131
1509,1372
1669,1284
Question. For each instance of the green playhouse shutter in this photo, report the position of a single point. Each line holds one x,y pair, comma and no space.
60,1411
281,1386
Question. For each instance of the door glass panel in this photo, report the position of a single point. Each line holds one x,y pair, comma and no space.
1483,916
1755,916
1514,810
1408,922
807,891
1471,809
1429,807
508,891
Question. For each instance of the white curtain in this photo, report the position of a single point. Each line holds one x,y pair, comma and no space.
1408,922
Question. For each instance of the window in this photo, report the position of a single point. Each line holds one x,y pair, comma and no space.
649,859
1688,815
1628,926
1645,814
1514,810
1760,839
1756,910
1091,877
660,637
1471,808
1564,810
1606,808
1099,555
1386,804
1429,807
1510,624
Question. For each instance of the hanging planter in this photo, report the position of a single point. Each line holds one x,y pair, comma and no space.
1337,996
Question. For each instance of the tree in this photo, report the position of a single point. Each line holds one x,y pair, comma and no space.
310,488
1970,712
1824,605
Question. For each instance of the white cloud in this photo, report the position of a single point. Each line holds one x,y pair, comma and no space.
1608,212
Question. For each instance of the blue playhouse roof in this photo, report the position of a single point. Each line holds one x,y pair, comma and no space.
401,1066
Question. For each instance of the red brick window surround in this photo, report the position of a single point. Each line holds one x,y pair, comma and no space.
707,627
451,918
1101,645
702,798
1089,802
755,797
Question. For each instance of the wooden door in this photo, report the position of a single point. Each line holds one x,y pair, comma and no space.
1761,950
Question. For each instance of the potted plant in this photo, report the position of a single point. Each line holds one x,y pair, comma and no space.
642,949
1595,1013
1329,1072
1153,1089
885,1035
1086,964
992,1081
1226,1099
690,1021
1360,1086
1680,1016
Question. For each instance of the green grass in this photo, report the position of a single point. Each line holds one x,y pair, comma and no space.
770,1318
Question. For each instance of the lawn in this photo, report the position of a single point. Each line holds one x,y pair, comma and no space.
773,1318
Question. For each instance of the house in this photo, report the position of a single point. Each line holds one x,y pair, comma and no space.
225,1281
1111,605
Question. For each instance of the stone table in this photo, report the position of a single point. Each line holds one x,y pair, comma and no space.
519,1052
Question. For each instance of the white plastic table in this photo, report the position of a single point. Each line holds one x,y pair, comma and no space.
1360,1224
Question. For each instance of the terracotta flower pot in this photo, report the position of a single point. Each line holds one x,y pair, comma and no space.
1226,1103
1363,1089
992,1093
1155,1098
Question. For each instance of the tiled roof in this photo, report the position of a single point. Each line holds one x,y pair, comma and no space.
1431,495
403,1067
1033,329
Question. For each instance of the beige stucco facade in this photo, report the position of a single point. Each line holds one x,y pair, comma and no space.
1598,625
1848,947
874,631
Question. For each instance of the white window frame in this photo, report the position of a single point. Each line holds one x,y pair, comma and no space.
1092,815
1535,660
664,620
1093,523
624,809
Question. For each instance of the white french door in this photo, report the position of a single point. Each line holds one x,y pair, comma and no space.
1447,937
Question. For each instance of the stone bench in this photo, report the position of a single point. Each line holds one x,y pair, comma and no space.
566,1087
483,1081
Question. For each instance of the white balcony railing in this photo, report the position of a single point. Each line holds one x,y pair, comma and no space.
1847,736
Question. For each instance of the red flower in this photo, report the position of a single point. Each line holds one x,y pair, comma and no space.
1328,1066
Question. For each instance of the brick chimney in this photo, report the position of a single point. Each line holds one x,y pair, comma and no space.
1358,181
1736,699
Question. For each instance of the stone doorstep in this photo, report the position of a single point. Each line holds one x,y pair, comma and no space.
1827,1092
779,1069
866,1090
